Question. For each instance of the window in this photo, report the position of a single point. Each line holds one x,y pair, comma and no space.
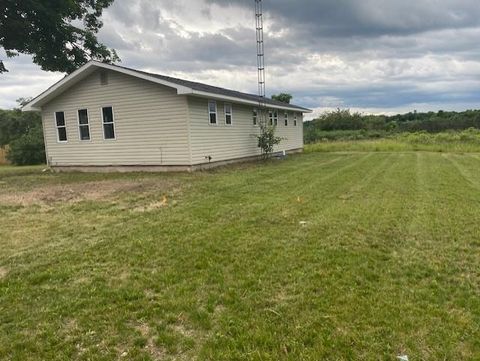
255,116
83,126
61,126
295,120
270,117
275,118
108,123
286,119
212,112
228,113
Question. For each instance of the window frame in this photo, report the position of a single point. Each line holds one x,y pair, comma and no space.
295,119
210,113
62,126
255,117
285,119
225,114
84,125
275,118
113,123
270,117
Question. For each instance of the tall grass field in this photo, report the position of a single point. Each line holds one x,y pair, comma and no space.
466,141
322,256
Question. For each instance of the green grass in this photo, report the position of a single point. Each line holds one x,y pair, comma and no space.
467,141
104,267
390,145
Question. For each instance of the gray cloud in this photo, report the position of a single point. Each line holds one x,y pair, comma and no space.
377,55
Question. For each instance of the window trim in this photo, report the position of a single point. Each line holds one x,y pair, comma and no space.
225,114
255,117
285,119
295,119
270,117
83,125
210,113
57,127
275,118
113,122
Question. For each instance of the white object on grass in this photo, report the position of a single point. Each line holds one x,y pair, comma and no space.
403,358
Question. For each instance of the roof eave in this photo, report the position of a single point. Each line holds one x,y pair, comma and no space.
241,100
62,85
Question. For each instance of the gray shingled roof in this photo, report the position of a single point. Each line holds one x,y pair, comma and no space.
215,90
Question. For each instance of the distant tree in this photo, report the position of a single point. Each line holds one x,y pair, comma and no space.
282,97
24,101
60,34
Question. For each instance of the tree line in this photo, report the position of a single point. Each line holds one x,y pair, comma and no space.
344,123
22,133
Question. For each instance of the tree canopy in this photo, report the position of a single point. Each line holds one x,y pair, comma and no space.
59,34
283,97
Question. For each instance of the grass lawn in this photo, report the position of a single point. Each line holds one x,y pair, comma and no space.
398,144
216,265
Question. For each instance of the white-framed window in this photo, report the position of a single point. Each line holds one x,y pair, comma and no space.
228,113
212,112
255,116
270,117
275,118
108,119
286,119
295,120
61,126
83,124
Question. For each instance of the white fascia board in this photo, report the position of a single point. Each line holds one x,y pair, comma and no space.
240,100
36,103
32,105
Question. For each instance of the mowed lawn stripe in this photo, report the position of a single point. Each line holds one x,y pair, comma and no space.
386,264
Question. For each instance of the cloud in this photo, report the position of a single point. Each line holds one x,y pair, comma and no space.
375,55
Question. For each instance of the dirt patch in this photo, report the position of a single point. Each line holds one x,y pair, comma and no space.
153,206
88,191
184,331
3,273
156,352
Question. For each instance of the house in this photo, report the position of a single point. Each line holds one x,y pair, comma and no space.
108,117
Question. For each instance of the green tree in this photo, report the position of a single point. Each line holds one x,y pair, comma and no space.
14,123
283,97
28,148
59,34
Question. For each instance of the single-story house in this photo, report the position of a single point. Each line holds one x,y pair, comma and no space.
105,116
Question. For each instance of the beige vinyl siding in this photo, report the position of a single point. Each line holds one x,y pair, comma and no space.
293,136
225,142
150,124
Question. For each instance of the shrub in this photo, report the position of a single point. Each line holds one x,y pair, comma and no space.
28,148
267,139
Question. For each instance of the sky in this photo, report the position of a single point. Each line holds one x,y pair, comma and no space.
372,56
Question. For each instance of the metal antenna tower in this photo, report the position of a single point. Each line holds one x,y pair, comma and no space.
260,56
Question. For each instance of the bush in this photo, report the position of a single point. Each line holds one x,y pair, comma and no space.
267,139
28,148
